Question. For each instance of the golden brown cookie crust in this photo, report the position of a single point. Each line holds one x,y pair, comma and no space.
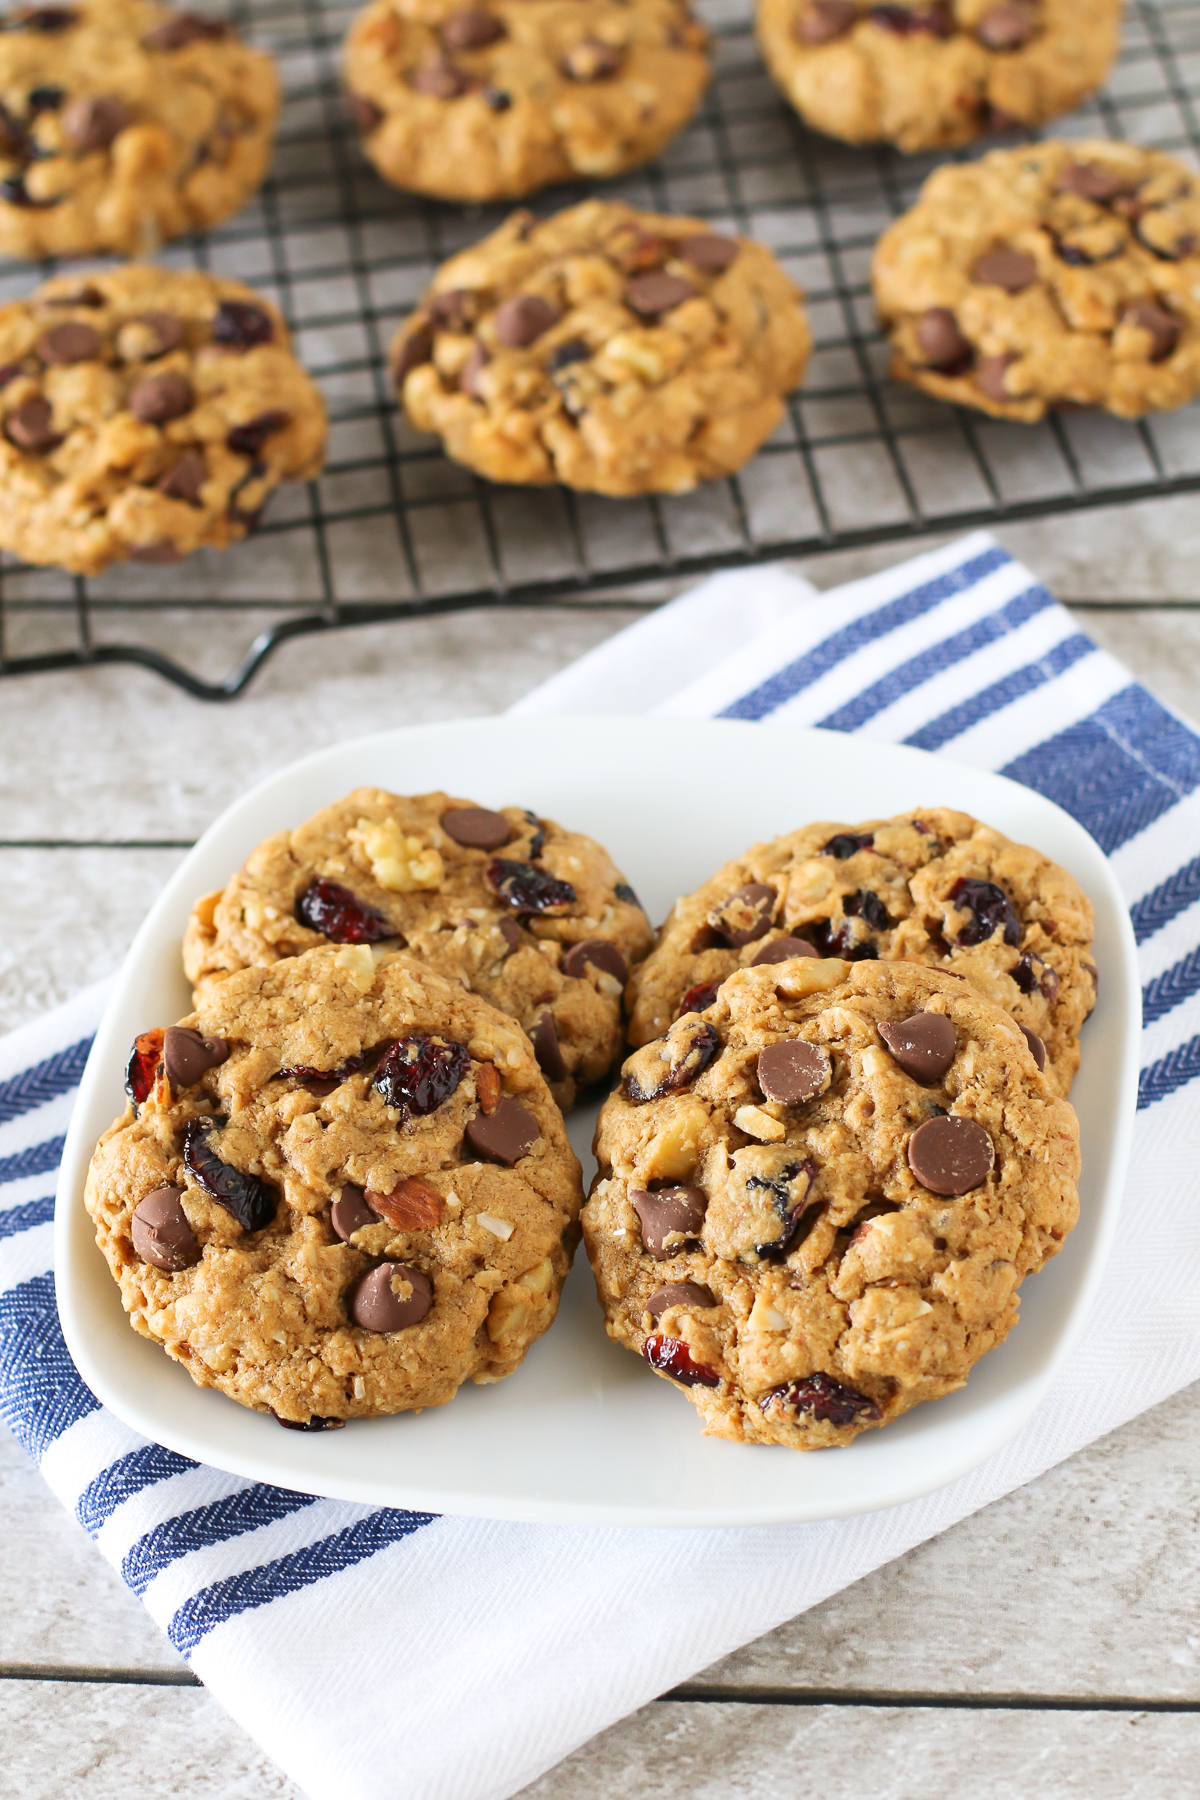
84,480
543,354
477,103
263,1314
1097,245
1034,961
433,897
843,1290
854,72
163,126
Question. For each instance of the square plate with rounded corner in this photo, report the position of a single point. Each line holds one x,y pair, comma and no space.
584,1433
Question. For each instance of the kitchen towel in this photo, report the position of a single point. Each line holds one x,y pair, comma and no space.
382,1653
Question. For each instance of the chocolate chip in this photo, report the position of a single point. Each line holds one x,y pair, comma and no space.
364,112
989,376
45,99
46,18
87,295
1007,26
1036,1046
167,329
711,254
374,1303
30,426
1164,327
601,954
950,1154
676,1212
544,1038
495,99
1093,181
782,950
157,398
506,1135
455,307
472,369
239,325
161,1233
470,28
184,29
845,844
13,192
519,321
745,916
563,355
824,20
92,122
187,1055
9,372
350,1212
792,1071
903,21
413,350
923,1045
510,931
162,550
441,78
941,342
475,828
71,342
592,61
678,1293
1004,267
248,439
185,480
656,292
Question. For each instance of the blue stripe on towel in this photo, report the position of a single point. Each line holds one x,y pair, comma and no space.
129,1475
994,699
41,1391
1166,901
15,1219
38,1159
229,1517
58,1074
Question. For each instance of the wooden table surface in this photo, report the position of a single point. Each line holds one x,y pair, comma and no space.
1048,1646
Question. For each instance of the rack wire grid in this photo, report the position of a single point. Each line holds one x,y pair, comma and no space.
392,529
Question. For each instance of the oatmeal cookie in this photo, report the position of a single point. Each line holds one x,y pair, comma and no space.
533,918
340,1189
616,351
491,102
1058,274
145,413
933,887
123,123
936,72
817,1199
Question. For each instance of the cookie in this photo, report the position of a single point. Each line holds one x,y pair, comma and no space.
933,887
340,1189
1054,275
533,918
816,1200
936,72
491,102
616,351
145,413
125,123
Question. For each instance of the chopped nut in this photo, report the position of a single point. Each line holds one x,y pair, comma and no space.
765,1317
360,1388
876,1062
500,1228
810,975
487,1086
403,864
359,965
412,1205
676,1154
513,1305
759,1124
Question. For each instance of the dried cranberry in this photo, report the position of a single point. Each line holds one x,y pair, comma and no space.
417,1074
848,843
242,325
1032,974
322,1081
842,942
791,1198
249,1199
672,1357
315,1423
248,439
903,22
527,889
537,842
692,1048
328,907
142,1067
866,905
46,18
991,911
624,892
822,1398
698,998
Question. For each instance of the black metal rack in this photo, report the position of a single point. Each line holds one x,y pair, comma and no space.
392,530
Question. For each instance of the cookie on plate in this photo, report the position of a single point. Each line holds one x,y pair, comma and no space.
936,72
492,101
125,123
340,1189
1057,274
616,351
933,887
816,1200
145,413
535,919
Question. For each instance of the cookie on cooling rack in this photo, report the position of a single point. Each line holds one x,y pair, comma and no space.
145,413
932,73
125,123
933,887
534,919
817,1199
1060,273
490,101
341,1189
616,351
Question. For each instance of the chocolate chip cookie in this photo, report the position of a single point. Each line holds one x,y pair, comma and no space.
933,887
616,351
817,1199
535,919
492,101
936,72
1058,274
340,1189
144,414
123,123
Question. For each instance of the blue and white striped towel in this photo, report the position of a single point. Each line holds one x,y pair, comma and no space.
376,1654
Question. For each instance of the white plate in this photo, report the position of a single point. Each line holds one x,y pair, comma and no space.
584,1433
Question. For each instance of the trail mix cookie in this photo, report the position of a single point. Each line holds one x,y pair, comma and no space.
533,918
123,123
933,887
1058,274
492,101
617,351
144,414
817,1199
936,72
340,1189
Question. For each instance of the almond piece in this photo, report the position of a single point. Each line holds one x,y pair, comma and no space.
412,1205
487,1086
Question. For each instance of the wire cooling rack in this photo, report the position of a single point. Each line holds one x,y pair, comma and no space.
391,529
